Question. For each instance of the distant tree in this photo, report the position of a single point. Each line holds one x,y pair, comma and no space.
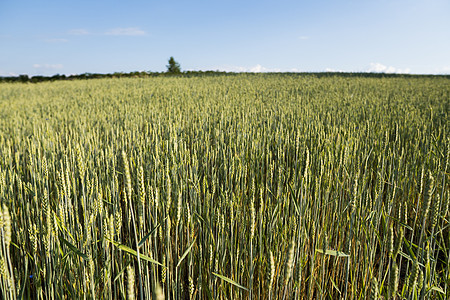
24,78
173,67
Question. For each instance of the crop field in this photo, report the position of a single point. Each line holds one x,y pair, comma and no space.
249,186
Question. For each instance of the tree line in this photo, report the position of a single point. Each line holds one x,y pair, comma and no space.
143,74
174,69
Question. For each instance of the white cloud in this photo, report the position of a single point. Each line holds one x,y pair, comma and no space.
79,31
252,69
48,66
130,31
304,37
333,70
380,68
260,69
442,71
7,74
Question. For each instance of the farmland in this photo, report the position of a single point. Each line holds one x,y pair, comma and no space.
265,186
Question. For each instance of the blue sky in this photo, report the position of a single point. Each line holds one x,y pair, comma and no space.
73,37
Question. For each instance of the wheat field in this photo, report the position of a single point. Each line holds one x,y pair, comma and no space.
265,186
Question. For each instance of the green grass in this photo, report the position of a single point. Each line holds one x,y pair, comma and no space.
215,187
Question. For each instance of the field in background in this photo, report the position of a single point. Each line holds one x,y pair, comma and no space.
227,187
